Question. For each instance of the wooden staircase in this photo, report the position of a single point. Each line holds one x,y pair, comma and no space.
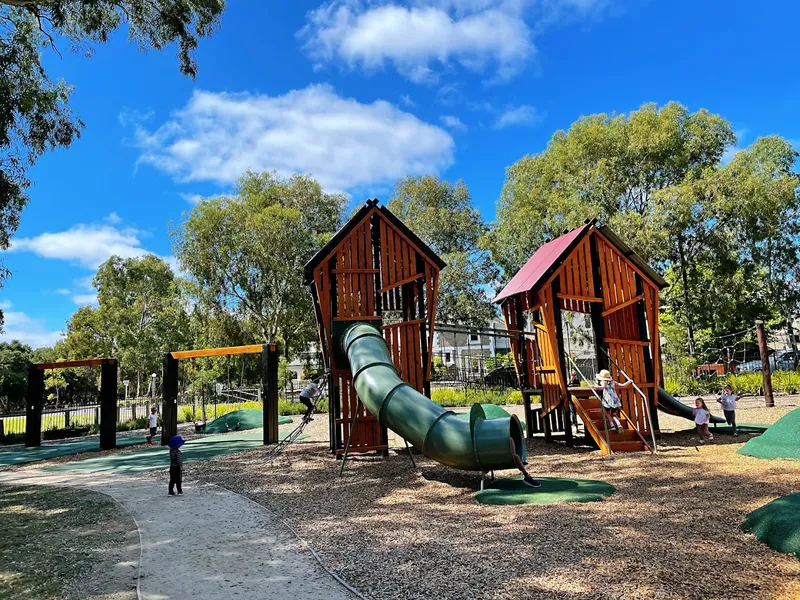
590,411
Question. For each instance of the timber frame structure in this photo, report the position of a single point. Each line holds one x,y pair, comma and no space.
269,383
374,270
34,399
587,270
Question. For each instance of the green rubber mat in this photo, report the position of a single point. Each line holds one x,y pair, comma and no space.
157,457
246,418
777,524
781,440
21,456
743,428
513,490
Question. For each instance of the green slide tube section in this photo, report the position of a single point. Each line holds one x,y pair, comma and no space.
479,444
676,408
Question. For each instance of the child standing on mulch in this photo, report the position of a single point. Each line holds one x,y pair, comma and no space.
702,416
175,464
728,401
152,423
611,402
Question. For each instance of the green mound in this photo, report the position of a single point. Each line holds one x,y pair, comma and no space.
492,411
246,418
781,440
553,491
777,524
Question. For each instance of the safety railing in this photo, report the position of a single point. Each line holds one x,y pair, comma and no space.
644,398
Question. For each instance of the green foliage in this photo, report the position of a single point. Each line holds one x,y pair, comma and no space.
140,316
750,384
246,252
443,215
14,360
460,398
187,414
34,112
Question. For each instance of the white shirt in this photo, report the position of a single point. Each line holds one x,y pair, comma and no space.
701,416
153,420
728,401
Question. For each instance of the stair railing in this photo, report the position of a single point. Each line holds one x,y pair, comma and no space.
642,394
602,410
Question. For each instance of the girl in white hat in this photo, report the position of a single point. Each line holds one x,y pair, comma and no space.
611,402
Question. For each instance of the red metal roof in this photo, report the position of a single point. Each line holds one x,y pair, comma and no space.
539,264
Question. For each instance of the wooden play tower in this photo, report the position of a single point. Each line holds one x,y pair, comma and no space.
587,270
373,270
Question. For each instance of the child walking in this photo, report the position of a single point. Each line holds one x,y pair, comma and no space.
610,401
702,416
152,423
175,465
728,401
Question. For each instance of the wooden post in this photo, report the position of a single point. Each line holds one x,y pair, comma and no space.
562,363
108,404
522,352
269,383
769,399
33,407
169,398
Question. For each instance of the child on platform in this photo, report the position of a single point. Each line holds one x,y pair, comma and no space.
702,416
610,400
728,401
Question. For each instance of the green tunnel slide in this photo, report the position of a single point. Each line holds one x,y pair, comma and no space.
676,408
479,444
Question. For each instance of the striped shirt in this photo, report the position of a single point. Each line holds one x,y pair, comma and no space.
175,457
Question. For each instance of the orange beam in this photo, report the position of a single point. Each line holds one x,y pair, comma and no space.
66,364
255,348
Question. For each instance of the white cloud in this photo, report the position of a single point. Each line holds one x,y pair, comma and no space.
518,115
339,141
19,326
407,101
192,198
452,122
422,37
85,299
113,218
86,245
63,292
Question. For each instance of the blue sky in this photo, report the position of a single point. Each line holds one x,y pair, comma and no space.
359,93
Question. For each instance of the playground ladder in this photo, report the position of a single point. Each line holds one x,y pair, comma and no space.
278,449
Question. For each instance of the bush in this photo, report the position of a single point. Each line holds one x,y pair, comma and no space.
460,398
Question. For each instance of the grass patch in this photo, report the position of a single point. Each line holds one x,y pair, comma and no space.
55,539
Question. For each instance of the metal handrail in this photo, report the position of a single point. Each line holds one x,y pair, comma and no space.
602,410
642,394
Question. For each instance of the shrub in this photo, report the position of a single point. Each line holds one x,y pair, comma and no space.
461,398
187,414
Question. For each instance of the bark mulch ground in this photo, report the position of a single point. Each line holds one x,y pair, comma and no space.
671,531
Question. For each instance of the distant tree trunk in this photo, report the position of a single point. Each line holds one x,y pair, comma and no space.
686,301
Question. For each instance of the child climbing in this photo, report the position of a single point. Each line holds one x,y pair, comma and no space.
309,396
152,423
521,466
610,401
702,416
728,401
175,465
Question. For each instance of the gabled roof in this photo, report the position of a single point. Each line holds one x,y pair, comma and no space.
550,255
540,264
327,249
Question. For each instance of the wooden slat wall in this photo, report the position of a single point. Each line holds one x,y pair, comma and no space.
360,285
549,369
619,280
576,278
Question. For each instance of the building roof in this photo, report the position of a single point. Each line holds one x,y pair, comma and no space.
550,255
327,249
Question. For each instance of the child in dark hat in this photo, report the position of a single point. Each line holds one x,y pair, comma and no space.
175,464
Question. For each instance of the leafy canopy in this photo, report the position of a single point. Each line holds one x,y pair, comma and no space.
34,112
443,215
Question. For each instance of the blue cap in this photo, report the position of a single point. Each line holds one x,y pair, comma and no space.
176,441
